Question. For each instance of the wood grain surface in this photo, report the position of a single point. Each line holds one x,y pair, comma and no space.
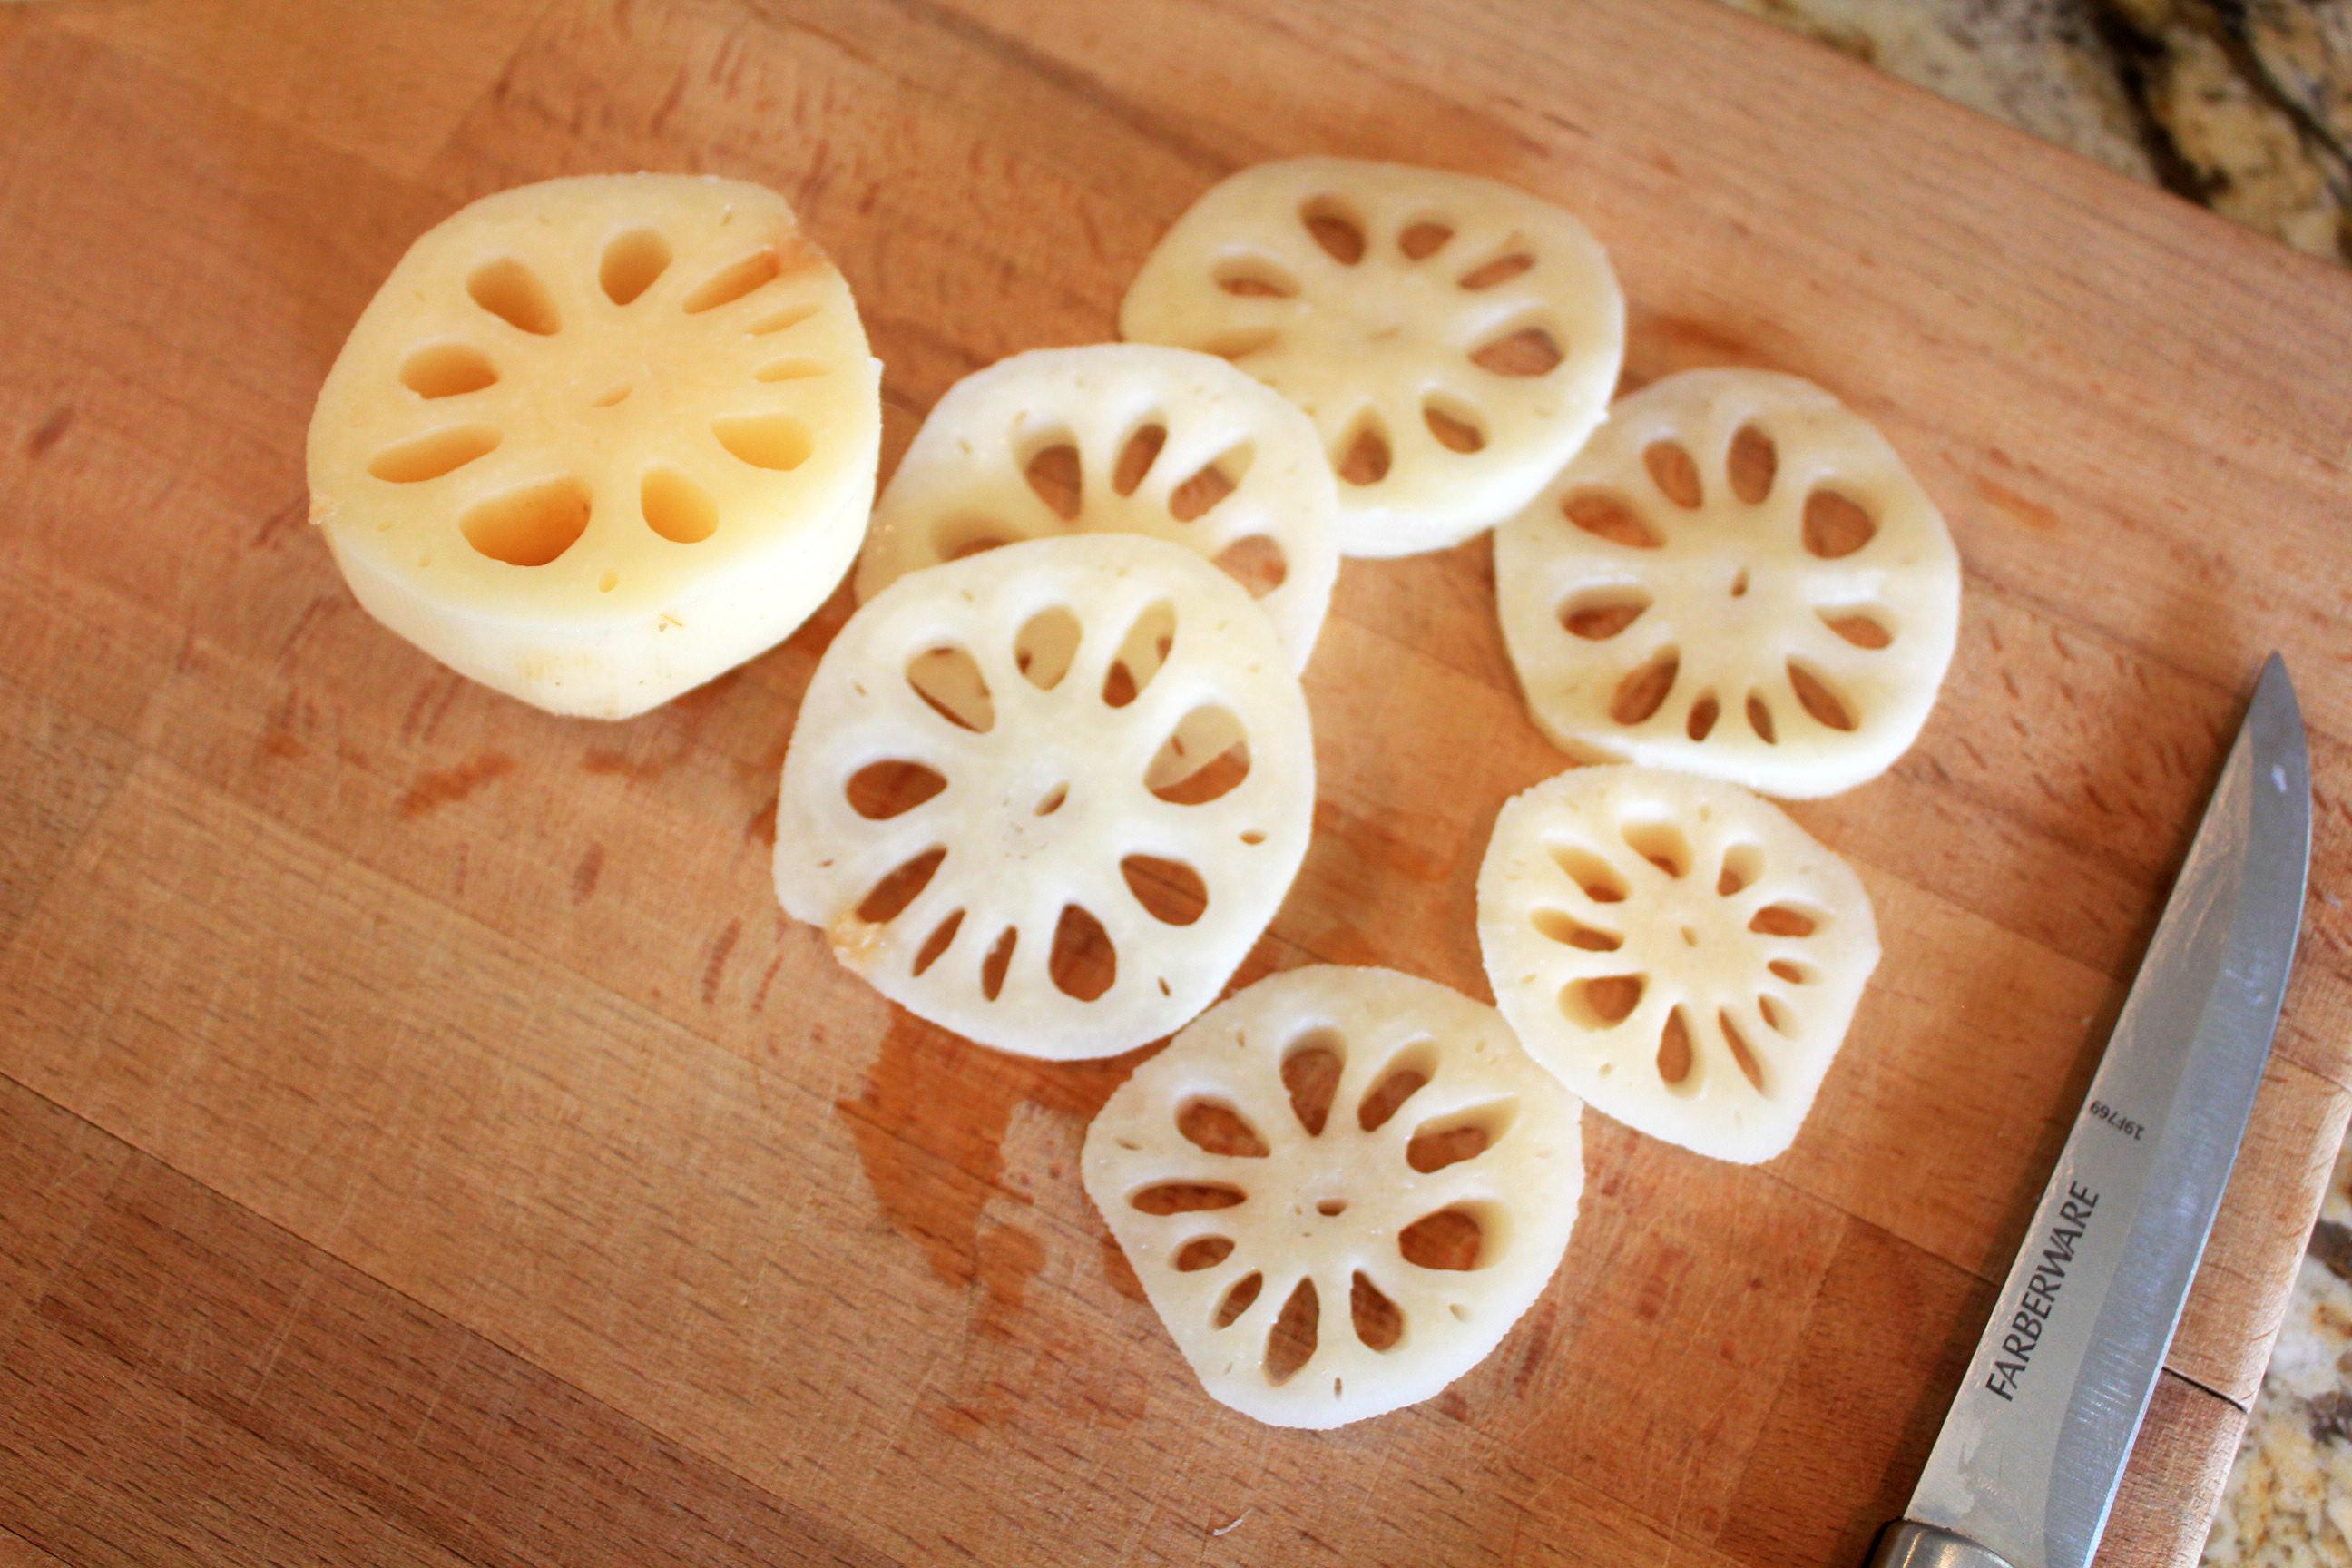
422,1140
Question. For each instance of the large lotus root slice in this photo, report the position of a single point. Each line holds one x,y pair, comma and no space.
1123,438
596,441
1454,339
1023,866
1676,950
1340,1188
1737,577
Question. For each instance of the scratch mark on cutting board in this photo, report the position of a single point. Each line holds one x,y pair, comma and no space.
433,790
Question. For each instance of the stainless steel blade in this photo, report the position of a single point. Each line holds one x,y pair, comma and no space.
2028,1458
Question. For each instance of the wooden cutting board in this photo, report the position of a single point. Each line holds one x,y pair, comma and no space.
423,1141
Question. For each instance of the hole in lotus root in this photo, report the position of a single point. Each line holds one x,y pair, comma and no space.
936,945
1136,457
1310,1072
999,962
1704,714
1601,882
1597,614
1501,269
1752,464
513,293
529,527
880,791
1861,630
1781,920
1290,1344
1559,926
1644,691
1044,646
1331,227
1606,516
1198,495
1379,1322
1455,425
949,682
1420,241
1406,1075
1170,891
447,370
1675,1057
888,898
1256,563
1827,708
1083,963
1662,844
1464,1135
734,280
1203,1252
1604,1002
1365,458
1185,1197
1760,719
1674,473
1053,472
1254,277
432,454
632,263
1749,1067
1452,1238
1529,352
1216,1128
1835,526
1742,864
1237,1299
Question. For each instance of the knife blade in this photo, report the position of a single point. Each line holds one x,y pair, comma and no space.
2025,1469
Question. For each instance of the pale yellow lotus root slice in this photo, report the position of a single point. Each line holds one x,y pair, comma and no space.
1454,339
1340,1188
597,440
1024,869
1676,950
1737,577
1127,439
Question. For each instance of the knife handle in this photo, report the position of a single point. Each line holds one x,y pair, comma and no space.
1905,1544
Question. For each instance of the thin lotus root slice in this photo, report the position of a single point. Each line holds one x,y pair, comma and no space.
1340,1188
1009,868
1454,339
597,440
1737,577
1122,438
1676,950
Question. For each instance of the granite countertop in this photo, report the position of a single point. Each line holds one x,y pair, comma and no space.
2245,106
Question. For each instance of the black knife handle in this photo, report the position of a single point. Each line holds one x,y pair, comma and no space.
1903,1544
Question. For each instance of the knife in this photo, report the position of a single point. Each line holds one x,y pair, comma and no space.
2027,1463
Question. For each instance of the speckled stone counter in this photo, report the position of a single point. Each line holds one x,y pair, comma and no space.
2246,106
2289,1501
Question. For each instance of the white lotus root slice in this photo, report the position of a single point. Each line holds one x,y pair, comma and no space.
1454,339
1340,1188
1737,577
1126,439
597,440
1682,955
1029,872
